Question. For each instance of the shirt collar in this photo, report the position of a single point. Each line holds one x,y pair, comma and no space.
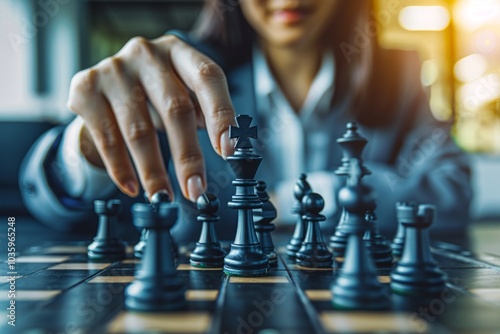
321,90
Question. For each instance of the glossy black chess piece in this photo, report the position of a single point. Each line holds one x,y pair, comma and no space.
159,197
300,189
352,145
156,286
357,286
208,252
313,252
417,274
377,246
245,257
398,241
106,246
264,226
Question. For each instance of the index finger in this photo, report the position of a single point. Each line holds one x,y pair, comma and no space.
208,81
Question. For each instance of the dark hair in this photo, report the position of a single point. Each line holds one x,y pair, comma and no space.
223,25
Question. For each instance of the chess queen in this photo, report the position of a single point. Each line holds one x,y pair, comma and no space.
301,68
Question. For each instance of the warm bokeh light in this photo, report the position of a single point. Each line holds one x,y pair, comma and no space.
424,18
478,92
470,68
473,14
486,42
430,72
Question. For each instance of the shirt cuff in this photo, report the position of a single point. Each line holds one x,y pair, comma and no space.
324,183
79,178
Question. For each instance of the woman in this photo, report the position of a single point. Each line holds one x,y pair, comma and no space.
298,68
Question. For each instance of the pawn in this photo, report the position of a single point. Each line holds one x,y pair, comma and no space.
313,253
264,226
106,246
377,246
301,188
416,273
156,287
208,253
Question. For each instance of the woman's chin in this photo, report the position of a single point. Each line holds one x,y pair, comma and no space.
289,39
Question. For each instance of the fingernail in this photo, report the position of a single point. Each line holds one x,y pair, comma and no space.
226,144
130,187
194,187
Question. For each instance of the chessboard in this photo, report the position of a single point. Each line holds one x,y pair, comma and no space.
58,290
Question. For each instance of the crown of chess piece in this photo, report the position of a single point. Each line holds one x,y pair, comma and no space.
357,286
300,189
352,145
416,273
313,252
245,257
264,226
156,286
106,246
377,246
398,241
208,252
159,197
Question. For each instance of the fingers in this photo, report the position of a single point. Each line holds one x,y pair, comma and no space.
128,101
177,110
207,80
85,100
186,88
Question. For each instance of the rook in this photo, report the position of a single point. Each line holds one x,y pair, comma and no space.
398,242
416,273
156,287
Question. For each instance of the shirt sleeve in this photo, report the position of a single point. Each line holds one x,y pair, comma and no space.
79,178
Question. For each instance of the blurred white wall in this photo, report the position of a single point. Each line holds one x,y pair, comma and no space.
21,23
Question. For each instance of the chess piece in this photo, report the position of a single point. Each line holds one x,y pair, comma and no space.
106,246
301,188
398,242
208,253
264,227
352,145
156,286
245,257
313,252
377,246
357,286
416,273
159,197
140,246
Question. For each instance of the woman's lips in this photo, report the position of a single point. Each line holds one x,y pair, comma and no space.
289,16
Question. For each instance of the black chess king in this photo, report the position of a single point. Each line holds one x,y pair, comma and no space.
245,257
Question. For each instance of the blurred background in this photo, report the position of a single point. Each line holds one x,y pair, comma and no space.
44,42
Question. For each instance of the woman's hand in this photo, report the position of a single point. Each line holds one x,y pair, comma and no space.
186,89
